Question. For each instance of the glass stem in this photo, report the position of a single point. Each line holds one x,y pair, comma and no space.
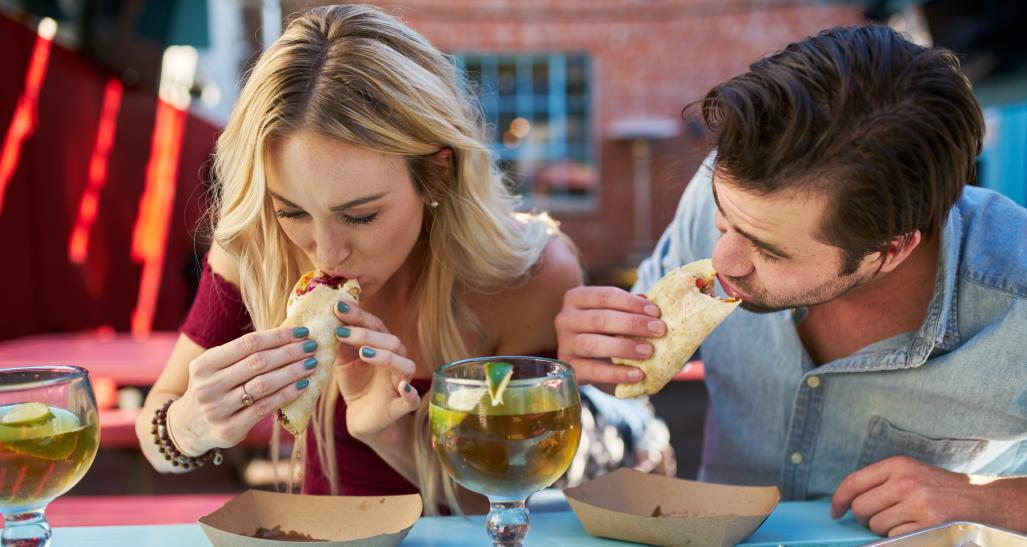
507,523
26,529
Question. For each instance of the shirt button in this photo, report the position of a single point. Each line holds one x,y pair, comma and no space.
813,382
796,458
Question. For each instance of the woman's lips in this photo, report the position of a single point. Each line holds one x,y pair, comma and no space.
730,290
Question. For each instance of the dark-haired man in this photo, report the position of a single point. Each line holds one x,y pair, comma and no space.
882,355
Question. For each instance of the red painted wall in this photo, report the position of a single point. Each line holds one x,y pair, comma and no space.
41,290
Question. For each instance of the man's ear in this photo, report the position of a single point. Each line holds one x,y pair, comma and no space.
443,160
899,250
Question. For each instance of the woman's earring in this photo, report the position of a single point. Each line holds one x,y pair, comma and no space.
434,204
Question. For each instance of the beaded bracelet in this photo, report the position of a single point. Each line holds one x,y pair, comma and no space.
167,448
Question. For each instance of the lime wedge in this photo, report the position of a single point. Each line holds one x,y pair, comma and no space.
497,376
465,400
27,414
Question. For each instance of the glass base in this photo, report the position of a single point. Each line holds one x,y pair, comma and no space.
507,523
26,529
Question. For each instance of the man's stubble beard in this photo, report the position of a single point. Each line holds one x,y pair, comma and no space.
824,293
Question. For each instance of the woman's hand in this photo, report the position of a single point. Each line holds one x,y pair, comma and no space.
231,387
373,373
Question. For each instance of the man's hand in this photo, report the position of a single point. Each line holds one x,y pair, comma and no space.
593,327
901,494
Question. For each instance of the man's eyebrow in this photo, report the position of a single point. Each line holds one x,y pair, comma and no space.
755,240
338,208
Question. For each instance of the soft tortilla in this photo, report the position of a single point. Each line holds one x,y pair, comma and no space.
314,310
690,317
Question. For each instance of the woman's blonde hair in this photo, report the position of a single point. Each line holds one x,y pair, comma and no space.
358,75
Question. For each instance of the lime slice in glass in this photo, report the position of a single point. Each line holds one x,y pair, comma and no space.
465,400
497,376
27,414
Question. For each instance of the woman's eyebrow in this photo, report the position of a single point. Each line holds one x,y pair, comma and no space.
338,208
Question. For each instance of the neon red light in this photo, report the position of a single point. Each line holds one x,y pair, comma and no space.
149,236
78,245
24,121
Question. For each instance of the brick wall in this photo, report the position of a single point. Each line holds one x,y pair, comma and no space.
650,59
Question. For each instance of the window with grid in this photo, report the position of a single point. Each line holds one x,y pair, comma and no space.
538,110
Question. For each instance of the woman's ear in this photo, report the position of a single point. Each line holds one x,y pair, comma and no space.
443,160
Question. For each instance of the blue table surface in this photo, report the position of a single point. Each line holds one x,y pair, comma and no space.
805,523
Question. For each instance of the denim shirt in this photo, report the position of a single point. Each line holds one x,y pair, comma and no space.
952,394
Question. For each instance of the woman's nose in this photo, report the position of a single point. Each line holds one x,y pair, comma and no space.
731,256
331,247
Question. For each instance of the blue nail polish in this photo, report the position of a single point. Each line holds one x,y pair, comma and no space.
300,332
406,388
343,307
342,332
309,346
367,352
302,384
310,363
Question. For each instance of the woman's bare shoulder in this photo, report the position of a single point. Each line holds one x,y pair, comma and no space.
523,315
223,264
558,269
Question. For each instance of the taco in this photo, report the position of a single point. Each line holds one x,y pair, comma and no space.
691,311
311,304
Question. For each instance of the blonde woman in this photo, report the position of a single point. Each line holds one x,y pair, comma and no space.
354,150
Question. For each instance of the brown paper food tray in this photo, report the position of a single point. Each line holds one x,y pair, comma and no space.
364,521
956,534
621,504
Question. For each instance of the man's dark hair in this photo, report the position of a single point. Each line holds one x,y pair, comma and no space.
889,130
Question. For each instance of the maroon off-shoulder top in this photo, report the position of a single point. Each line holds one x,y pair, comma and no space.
218,316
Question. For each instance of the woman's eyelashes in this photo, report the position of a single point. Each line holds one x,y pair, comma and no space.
289,214
367,219
349,219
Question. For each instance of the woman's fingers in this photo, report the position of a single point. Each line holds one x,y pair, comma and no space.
352,315
219,357
381,357
407,402
357,337
261,386
248,417
262,362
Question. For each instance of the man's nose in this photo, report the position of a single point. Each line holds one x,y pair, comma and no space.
731,257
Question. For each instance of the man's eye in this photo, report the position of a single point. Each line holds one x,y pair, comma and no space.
767,256
289,214
362,220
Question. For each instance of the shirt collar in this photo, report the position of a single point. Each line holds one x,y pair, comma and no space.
941,327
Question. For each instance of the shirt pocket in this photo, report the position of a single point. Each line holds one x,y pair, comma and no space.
885,440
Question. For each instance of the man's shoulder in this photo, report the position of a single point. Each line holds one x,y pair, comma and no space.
994,241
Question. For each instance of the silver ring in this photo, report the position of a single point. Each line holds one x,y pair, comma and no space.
247,399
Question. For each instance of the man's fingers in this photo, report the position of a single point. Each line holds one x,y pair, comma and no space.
874,501
888,519
610,322
222,356
600,346
596,371
610,298
857,483
903,529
